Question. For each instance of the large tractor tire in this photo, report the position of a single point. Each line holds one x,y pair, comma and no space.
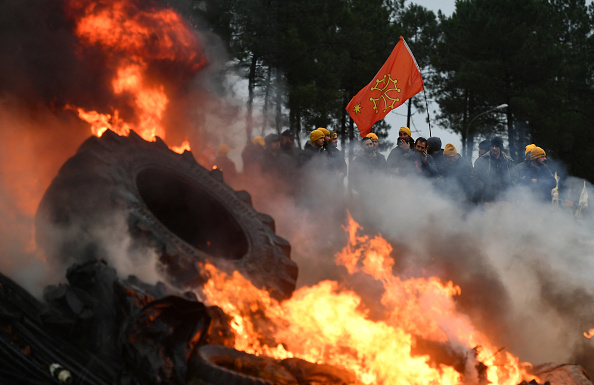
168,202
221,365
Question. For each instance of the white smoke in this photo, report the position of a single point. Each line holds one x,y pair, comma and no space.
523,265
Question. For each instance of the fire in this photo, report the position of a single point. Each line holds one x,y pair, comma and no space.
185,146
330,324
131,39
589,334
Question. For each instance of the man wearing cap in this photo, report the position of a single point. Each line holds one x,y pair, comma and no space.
527,152
316,144
494,172
434,149
365,166
327,137
404,145
535,174
288,143
374,139
337,162
404,134
417,161
484,146
459,182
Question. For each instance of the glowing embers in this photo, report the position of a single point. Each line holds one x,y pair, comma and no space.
330,324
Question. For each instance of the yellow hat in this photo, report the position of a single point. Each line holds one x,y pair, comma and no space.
315,135
537,152
406,130
325,131
259,140
529,148
223,149
372,136
449,150
333,135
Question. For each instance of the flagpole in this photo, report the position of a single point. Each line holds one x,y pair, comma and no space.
427,106
397,81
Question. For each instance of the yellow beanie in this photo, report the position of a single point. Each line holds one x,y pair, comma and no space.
315,135
529,148
537,152
406,130
449,150
325,131
223,149
333,135
259,140
372,136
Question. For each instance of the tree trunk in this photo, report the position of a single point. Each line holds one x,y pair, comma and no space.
250,103
266,101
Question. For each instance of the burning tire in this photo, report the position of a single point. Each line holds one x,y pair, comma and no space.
221,365
166,201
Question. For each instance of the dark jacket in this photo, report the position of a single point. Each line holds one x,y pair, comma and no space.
459,181
416,166
336,161
364,169
525,172
440,162
493,176
395,160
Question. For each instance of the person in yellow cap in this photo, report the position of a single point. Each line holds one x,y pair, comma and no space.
334,139
457,175
529,148
259,140
317,141
326,133
337,162
374,139
226,165
405,134
315,147
404,147
375,142
365,167
535,174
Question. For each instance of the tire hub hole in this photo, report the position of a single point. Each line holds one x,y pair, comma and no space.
191,214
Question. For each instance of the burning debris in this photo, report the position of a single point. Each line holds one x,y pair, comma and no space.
221,306
224,329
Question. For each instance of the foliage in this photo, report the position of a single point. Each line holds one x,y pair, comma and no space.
488,52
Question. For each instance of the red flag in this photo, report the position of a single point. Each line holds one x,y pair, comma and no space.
397,81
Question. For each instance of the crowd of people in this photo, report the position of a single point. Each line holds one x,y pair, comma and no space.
278,158
492,174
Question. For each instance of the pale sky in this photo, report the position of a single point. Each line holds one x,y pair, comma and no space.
446,6
418,125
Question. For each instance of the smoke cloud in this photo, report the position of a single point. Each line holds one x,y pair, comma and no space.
523,267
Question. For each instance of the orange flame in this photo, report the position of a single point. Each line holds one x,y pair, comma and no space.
131,38
329,324
589,334
185,146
